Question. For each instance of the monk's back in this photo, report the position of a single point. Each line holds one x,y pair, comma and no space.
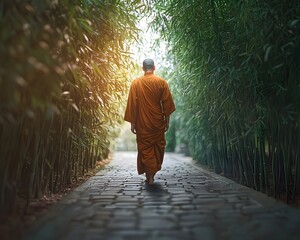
149,91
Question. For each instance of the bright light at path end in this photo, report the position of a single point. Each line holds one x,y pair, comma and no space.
146,49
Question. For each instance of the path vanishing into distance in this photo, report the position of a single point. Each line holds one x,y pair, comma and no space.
186,202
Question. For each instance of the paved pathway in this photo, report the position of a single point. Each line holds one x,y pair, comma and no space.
185,203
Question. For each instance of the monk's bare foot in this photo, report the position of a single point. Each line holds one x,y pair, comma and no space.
151,181
149,178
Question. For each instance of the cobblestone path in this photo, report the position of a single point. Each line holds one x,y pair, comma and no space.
186,202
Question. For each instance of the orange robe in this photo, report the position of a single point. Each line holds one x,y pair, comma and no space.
149,101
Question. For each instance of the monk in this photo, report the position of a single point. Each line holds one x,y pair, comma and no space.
149,106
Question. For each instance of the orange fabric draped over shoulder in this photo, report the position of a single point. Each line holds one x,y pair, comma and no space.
149,101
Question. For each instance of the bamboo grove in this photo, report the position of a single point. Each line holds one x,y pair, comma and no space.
236,81
62,79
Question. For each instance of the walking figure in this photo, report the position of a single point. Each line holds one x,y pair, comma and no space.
149,107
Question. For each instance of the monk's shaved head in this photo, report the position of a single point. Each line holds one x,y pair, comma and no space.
148,64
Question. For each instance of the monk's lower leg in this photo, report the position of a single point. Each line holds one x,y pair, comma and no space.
150,178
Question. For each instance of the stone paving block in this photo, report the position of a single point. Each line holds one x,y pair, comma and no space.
128,213
165,208
227,213
101,203
109,193
126,223
146,213
157,198
111,207
102,214
126,205
183,198
177,191
193,221
160,210
173,235
127,199
101,197
208,200
252,209
194,217
128,235
82,215
153,203
156,223
188,207
203,193
97,223
130,193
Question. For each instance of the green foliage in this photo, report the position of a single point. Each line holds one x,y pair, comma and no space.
236,85
171,139
63,67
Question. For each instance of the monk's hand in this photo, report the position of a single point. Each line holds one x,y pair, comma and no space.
167,126
167,118
133,130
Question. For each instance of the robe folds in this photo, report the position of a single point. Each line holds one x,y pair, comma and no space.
149,102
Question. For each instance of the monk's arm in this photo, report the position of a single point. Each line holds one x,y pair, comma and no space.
131,111
133,129
167,101
167,121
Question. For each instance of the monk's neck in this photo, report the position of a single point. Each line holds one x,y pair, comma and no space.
148,72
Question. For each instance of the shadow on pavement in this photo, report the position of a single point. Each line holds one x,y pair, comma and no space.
155,188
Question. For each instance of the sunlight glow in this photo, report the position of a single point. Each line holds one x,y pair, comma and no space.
146,48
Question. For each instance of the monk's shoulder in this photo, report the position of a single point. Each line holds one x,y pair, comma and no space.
135,81
162,82
159,79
